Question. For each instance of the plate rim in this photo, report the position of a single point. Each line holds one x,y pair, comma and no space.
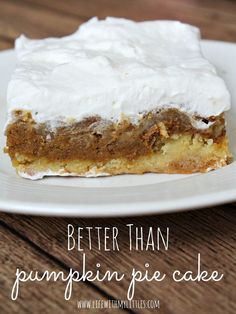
135,209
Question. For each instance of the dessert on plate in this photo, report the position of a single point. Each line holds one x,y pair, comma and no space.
117,96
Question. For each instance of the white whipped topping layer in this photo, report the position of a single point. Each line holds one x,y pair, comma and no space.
116,67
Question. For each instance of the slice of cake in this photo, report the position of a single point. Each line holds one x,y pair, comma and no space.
116,97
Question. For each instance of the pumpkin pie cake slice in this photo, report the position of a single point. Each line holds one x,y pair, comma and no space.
117,96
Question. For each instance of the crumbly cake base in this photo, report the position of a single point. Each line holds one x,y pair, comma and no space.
180,154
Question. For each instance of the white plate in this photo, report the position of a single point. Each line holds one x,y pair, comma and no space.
126,194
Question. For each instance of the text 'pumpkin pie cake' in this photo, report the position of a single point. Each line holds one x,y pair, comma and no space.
117,96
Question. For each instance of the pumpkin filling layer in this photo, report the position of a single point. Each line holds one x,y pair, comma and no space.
161,141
